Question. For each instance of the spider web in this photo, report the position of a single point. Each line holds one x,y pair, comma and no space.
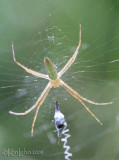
94,75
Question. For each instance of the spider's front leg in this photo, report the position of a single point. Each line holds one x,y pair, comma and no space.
83,98
30,109
40,103
79,97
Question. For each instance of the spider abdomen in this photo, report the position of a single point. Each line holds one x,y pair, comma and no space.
52,73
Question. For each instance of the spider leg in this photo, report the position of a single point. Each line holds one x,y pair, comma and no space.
72,59
85,99
39,99
41,102
27,69
78,97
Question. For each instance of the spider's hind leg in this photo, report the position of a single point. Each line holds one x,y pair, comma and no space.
72,59
27,69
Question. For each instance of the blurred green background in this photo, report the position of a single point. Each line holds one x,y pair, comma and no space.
50,28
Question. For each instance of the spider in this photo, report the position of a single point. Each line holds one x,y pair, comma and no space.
55,81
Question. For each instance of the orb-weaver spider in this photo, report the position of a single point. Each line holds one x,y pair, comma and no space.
55,81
